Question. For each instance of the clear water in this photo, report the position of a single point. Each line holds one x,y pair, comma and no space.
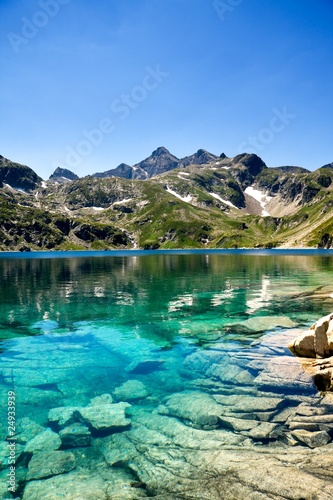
74,328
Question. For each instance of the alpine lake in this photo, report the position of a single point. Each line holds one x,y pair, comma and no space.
156,374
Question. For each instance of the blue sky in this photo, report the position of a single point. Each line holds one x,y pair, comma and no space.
87,85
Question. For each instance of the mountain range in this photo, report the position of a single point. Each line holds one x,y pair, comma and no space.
199,201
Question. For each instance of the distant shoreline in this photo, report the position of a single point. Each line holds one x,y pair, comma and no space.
34,254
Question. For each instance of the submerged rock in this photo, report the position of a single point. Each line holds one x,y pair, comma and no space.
50,463
75,435
63,416
260,324
27,429
46,441
145,367
104,417
284,373
104,399
86,484
311,439
195,408
131,390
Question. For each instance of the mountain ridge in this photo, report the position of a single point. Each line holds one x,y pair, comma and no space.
225,202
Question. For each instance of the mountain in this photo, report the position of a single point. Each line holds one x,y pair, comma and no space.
160,161
123,170
18,176
226,202
63,175
201,157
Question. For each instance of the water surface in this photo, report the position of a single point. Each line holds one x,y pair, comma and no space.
77,327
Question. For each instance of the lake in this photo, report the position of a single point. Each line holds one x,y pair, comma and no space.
162,374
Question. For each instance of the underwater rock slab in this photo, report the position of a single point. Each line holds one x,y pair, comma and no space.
131,390
50,463
254,474
195,408
46,441
5,451
248,404
75,435
27,429
261,324
284,373
85,484
63,416
104,417
104,399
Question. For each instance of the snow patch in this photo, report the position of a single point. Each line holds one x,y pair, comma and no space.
14,189
187,198
223,201
226,168
185,173
261,197
126,200
94,208
44,185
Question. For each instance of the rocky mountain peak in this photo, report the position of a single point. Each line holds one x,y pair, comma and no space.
160,161
63,174
18,176
161,151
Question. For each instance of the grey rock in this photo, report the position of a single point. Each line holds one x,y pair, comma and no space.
27,429
75,435
85,484
104,417
104,399
50,463
311,439
5,453
131,390
46,441
195,408
63,416
284,373
241,403
262,323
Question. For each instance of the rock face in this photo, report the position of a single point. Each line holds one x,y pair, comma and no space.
317,342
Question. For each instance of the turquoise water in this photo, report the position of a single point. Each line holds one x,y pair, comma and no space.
77,327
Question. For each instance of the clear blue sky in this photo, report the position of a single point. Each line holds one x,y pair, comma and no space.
227,76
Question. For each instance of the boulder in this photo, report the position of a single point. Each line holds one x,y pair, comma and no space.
50,463
311,439
27,429
195,408
317,342
46,441
130,390
104,399
75,435
104,417
63,416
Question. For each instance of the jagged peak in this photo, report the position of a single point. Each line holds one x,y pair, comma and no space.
161,151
